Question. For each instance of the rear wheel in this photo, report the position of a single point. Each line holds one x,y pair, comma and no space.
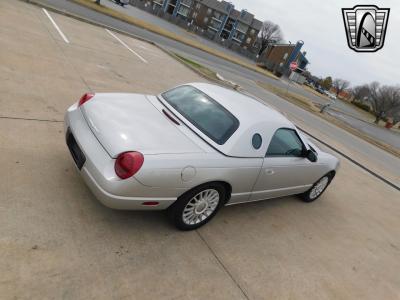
197,207
317,189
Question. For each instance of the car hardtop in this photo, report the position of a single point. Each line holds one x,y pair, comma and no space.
254,118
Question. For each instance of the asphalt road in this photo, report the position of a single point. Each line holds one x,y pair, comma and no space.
246,78
391,137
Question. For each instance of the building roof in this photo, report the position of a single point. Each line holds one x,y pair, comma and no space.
256,24
221,6
246,17
228,8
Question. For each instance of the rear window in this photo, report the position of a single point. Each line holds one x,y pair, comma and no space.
202,111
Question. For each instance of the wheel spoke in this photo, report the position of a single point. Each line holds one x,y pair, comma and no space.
200,207
319,187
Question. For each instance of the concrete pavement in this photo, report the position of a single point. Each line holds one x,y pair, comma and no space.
58,241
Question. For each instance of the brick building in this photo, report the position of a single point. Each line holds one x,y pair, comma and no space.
219,19
277,57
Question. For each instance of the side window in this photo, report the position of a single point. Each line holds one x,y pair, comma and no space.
285,142
256,141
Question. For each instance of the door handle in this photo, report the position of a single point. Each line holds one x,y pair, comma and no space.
269,171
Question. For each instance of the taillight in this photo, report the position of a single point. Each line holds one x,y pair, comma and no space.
128,164
85,98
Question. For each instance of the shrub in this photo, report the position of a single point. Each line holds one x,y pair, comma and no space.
363,106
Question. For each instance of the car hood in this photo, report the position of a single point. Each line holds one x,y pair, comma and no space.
130,122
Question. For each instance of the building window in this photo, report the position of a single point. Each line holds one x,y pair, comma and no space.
209,11
218,16
248,41
229,25
253,31
159,2
186,2
242,27
183,11
238,36
214,24
198,5
205,20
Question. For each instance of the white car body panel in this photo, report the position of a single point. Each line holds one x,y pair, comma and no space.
117,121
178,158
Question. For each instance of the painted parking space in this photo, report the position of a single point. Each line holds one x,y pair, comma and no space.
56,26
47,74
126,46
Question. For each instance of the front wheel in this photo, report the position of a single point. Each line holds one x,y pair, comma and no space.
317,189
197,207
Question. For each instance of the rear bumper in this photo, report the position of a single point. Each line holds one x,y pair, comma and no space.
120,202
97,171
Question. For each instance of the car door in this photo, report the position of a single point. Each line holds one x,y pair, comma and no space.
285,170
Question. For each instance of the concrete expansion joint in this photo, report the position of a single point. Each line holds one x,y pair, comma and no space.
31,119
220,262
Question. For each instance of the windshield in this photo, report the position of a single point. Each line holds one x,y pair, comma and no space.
205,113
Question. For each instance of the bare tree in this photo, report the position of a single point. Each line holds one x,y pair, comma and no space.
340,85
384,100
360,92
270,33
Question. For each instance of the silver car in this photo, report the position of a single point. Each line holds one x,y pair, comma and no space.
191,150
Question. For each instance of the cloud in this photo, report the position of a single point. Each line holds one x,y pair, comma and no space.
320,25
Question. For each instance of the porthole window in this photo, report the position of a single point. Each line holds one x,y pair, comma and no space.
256,141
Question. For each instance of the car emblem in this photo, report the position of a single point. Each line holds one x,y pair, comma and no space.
365,27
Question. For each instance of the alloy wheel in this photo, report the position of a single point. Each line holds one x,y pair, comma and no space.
319,187
200,207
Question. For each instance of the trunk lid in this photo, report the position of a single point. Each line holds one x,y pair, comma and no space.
130,122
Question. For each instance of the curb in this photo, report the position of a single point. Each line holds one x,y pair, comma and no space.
220,81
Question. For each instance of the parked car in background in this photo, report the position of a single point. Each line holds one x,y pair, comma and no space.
331,96
122,2
191,150
320,90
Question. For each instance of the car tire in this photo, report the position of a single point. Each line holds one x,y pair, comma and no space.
197,207
317,189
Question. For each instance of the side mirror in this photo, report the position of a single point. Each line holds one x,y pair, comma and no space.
311,156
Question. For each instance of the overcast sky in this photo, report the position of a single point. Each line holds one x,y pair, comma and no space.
320,25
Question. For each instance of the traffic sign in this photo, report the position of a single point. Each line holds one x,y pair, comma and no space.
293,65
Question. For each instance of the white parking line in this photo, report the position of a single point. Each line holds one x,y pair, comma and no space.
56,26
126,46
